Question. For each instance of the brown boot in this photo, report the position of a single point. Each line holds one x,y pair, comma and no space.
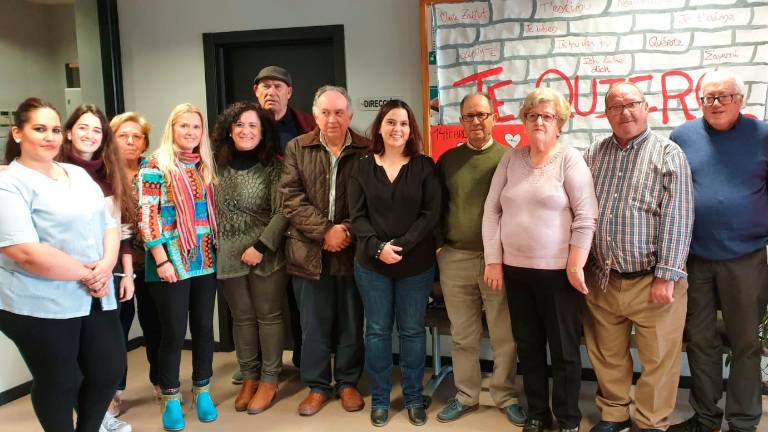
263,398
247,391
312,403
351,399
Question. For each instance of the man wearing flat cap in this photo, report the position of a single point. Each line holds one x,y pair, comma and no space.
273,88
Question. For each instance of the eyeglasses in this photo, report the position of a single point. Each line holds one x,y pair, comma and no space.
129,136
533,117
480,116
723,99
618,109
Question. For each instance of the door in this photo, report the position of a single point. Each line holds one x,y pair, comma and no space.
313,55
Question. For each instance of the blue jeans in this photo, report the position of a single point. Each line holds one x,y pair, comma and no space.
386,299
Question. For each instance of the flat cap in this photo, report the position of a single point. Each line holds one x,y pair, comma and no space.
274,72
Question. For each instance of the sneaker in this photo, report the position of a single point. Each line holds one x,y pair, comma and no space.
454,410
237,377
515,414
608,426
536,425
111,424
693,424
114,405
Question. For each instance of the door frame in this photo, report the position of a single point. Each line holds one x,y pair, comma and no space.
215,44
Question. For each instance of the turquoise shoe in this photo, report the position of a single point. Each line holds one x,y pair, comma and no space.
206,410
173,417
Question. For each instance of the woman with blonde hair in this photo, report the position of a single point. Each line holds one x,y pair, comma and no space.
538,222
131,134
178,224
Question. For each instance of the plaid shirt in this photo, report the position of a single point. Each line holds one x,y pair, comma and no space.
645,200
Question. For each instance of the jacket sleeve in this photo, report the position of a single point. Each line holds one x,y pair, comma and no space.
297,207
360,223
444,197
273,232
430,209
151,183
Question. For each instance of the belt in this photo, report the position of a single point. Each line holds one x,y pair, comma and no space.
634,274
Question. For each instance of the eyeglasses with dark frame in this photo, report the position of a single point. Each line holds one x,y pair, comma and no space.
480,116
618,109
533,117
723,99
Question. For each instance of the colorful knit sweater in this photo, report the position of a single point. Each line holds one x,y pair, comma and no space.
157,222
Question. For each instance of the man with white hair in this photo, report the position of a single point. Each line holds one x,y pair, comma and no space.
727,269
319,251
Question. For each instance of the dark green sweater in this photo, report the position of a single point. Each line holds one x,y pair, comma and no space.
465,175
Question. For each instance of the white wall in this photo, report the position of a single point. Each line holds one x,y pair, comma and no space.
89,52
162,47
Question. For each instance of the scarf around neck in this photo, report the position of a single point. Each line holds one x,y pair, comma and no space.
95,168
184,198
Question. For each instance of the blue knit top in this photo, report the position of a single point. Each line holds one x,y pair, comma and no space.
730,173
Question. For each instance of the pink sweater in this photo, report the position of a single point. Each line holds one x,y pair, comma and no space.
532,215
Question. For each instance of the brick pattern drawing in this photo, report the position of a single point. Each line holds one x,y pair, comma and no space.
581,47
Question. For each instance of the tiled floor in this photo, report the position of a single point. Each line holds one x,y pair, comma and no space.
140,409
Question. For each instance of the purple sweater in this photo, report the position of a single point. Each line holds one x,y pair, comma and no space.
532,214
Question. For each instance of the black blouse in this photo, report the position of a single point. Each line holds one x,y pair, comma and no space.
404,211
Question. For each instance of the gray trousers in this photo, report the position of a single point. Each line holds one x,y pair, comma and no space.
257,317
740,288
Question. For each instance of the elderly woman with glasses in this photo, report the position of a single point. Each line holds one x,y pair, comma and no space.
538,223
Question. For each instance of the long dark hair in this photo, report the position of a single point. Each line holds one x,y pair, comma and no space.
412,146
20,118
114,166
268,149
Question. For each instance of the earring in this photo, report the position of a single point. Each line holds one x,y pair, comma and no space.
18,141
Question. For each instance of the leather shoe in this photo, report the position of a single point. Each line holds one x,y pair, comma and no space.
417,416
312,403
247,391
379,417
351,399
263,398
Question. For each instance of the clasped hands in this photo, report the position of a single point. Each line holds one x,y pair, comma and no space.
97,281
337,238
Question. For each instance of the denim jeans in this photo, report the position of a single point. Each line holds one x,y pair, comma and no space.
386,300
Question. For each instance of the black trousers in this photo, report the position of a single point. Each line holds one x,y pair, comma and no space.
739,288
331,322
545,308
191,299
149,320
75,362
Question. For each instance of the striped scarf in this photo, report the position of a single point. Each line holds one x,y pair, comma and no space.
184,198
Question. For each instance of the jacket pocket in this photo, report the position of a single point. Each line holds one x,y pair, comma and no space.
301,251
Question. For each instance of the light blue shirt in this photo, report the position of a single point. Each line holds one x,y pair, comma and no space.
69,216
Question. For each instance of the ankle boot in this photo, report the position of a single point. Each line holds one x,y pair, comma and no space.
247,390
263,398
173,417
206,410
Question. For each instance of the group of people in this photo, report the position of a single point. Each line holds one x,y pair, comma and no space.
542,241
